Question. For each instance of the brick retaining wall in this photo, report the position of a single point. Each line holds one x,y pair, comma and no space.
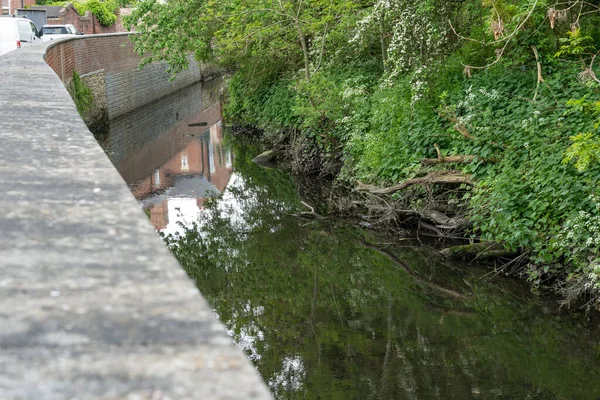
112,55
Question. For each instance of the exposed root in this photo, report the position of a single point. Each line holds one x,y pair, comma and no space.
442,221
512,267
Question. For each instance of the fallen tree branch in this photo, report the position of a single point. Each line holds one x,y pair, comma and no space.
588,73
432,231
449,160
431,228
442,221
265,158
540,79
433,178
311,208
477,250
311,214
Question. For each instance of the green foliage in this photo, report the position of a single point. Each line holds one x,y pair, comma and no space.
102,10
522,197
574,44
50,3
585,147
262,99
579,242
82,94
376,85
579,239
584,151
171,31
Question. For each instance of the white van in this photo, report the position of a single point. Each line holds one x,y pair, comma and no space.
16,33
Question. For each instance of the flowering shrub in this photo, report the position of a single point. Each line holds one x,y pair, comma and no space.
579,241
580,237
418,32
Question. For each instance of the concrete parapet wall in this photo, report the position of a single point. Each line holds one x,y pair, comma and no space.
93,305
113,56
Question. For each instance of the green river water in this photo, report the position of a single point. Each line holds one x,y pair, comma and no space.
326,310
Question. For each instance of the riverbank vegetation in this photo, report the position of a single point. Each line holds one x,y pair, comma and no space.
474,117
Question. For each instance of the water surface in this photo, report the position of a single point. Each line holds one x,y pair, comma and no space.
324,309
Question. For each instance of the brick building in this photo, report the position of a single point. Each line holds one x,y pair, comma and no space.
87,23
9,7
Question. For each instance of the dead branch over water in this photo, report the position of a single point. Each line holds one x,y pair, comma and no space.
440,177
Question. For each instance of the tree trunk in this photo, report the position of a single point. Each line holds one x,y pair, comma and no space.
384,57
304,50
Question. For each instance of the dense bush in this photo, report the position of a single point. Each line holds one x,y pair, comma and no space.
104,11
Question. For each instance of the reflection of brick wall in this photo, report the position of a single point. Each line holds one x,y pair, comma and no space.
146,139
197,162
157,131
196,153
195,156
159,215
220,177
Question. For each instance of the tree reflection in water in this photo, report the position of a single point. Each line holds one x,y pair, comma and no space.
326,313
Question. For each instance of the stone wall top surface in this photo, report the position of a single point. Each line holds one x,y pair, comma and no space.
93,305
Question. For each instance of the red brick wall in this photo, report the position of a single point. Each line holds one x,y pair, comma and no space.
126,87
88,23
112,53
114,28
69,17
14,4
